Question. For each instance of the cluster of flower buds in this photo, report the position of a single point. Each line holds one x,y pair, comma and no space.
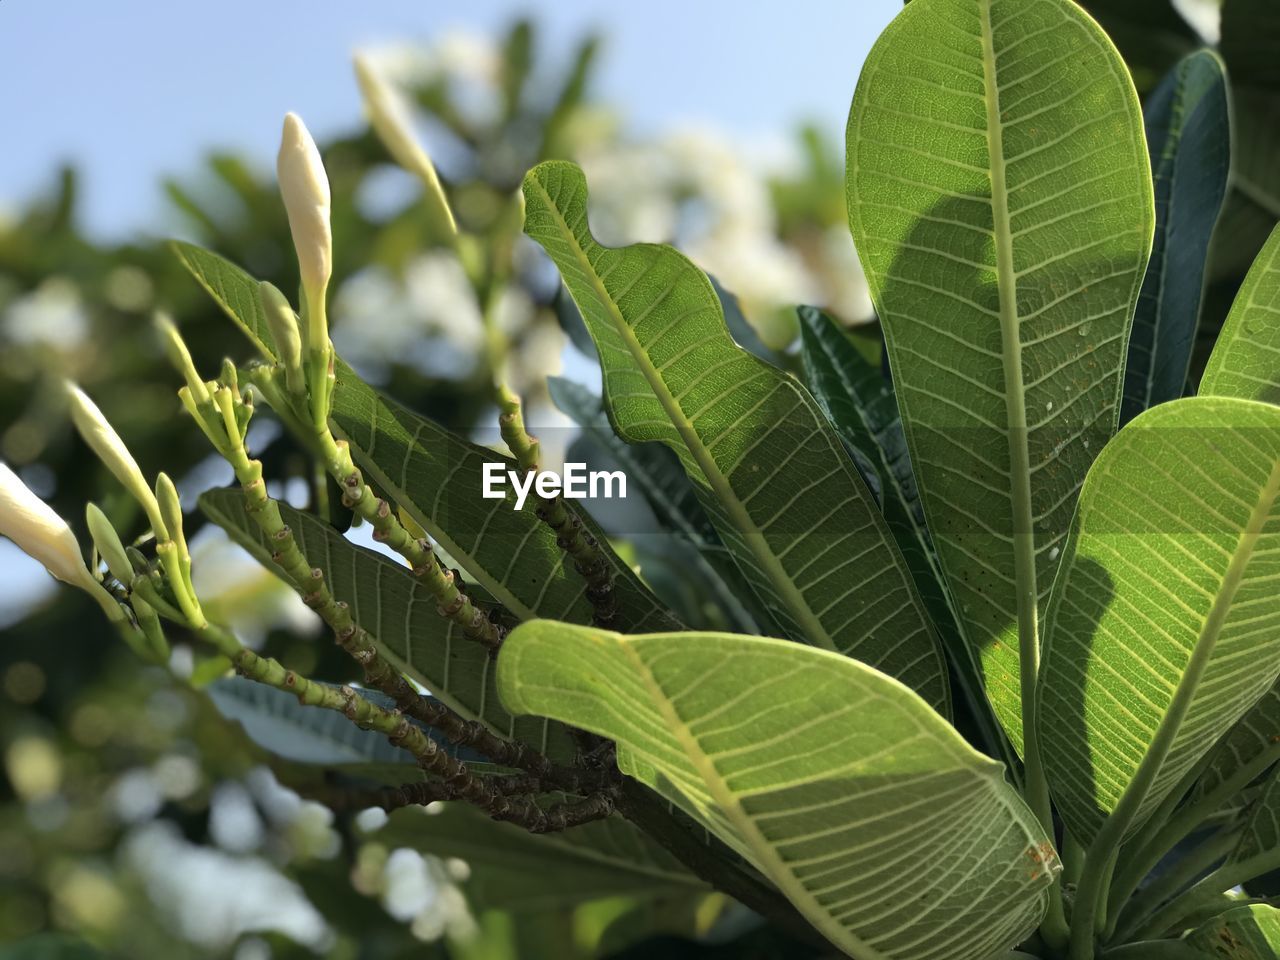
163,509
304,354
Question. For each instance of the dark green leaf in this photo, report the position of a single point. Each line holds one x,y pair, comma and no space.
1190,141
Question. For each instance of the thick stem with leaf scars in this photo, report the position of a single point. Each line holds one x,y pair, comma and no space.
309,582
452,602
553,818
571,537
335,457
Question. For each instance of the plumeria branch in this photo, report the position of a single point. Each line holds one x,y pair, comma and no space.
224,418
571,535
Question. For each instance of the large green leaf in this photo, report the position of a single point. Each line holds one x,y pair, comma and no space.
1242,933
437,477
1246,359
1167,609
784,496
399,614
1188,132
1000,200
512,869
884,828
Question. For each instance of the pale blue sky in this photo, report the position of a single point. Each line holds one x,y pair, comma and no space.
132,89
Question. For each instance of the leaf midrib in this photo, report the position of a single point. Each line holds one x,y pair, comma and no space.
767,855
1015,387
746,527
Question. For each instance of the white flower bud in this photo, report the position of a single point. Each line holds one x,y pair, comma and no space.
110,449
391,122
39,532
304,186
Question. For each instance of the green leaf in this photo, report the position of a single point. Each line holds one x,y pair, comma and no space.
886,830
399,614
1165,613
1190,140
512,869
1246,359
780,489
437,477
1000,201
1243,933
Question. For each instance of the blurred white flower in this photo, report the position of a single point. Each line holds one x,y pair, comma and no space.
849,296
1205,16
699,191
212,898
235,589
51,314
471,64
427,319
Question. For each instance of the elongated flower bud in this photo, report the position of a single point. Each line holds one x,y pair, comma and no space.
176,349
170,508
284,331
391,122
39,532
110,449
109,545
45,537
304,186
